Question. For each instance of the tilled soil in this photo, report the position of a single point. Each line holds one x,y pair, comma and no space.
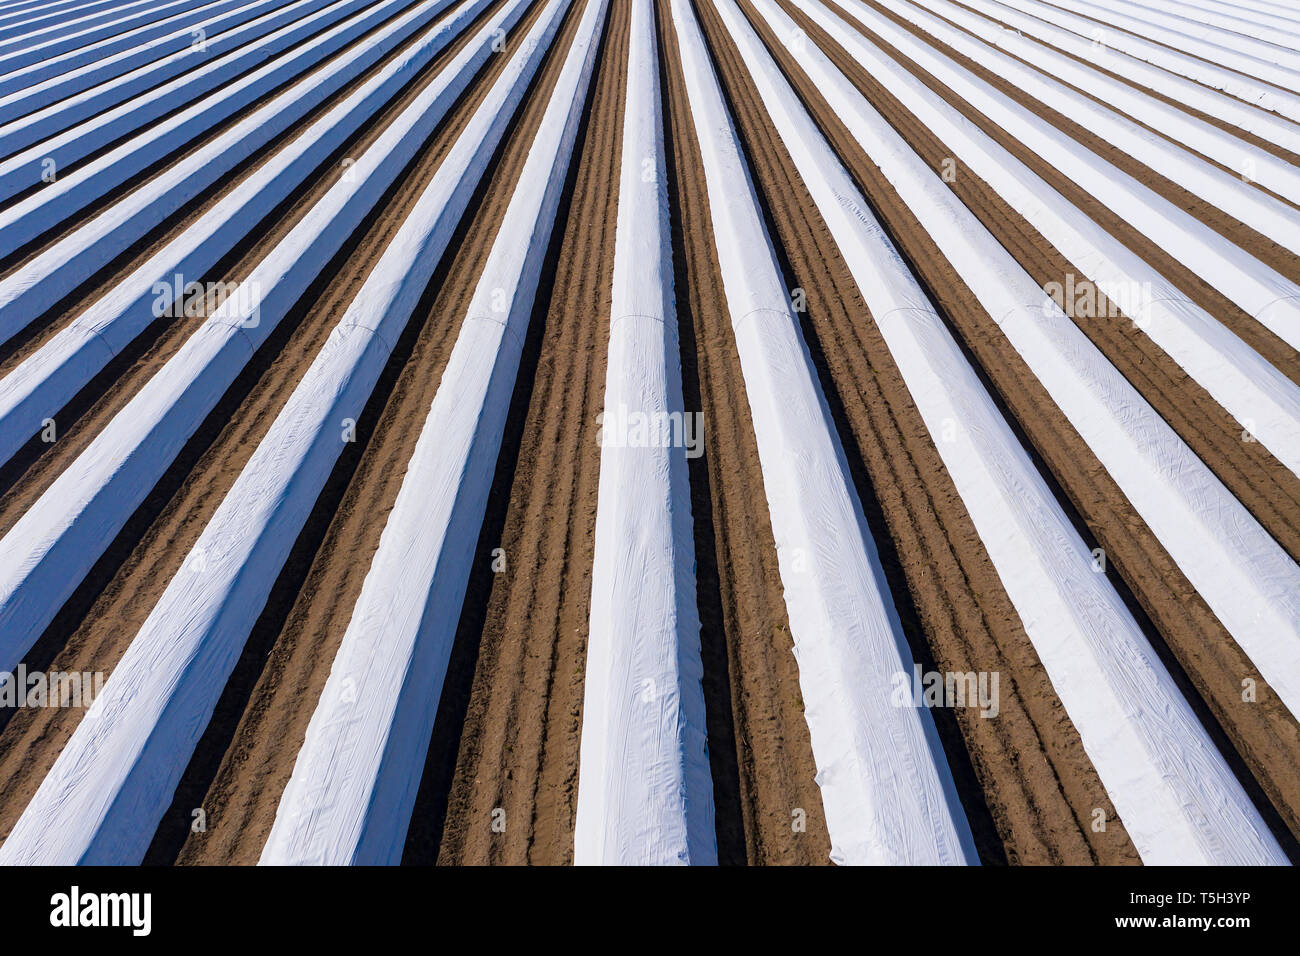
1034,779
500,778
1262,731
94,629
304,633
517,748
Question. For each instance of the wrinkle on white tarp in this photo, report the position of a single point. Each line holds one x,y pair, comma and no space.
886,788
645,791
103,798
1177,797
354,783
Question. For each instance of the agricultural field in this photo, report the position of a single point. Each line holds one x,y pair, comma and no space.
771,432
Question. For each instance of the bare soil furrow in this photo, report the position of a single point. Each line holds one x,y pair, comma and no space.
512,794
1183,628
97,624
240,779
1033,776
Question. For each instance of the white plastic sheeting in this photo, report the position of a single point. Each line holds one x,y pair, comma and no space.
1199,38
17,16
354,784
56,542
886,788
1269,96
1012,28
1250,583
42,28
69,192
48,24
1258,24
46,380
1263,400
1174,792
105,37
645,793
103,798
1216,46
1227,190
48,107
35,85
48,276
1281,10
18,19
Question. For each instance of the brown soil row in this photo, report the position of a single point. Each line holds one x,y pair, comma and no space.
1241,134
95,627
516,747
1265,486
1030,773
26,476
1184,629
45,326
248,756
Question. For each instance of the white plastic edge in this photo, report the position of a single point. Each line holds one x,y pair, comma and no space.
886,788
1177,798
1249,582
645,790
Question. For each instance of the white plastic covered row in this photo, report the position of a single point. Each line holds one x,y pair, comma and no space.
326,61
103,798
35,85
1265,95
1011,28
1239,19
354,783
1185,34
1263,400
47,379
70,19
645,792
58,269
1279,10
886,788
56,542
50,106
1096,112
108,37
18,18
40,29
1174,792
1245,576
